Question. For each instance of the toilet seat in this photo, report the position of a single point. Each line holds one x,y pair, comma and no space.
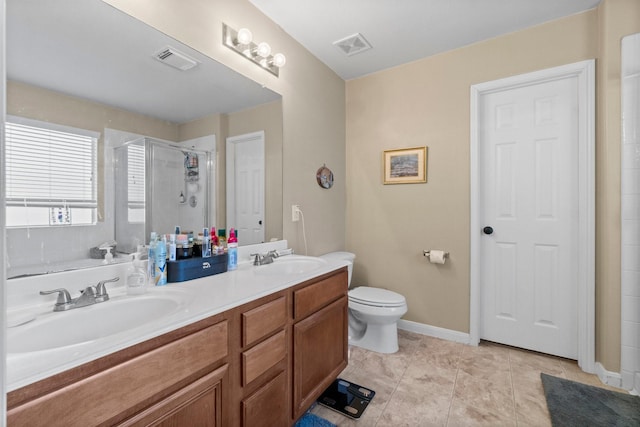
376,297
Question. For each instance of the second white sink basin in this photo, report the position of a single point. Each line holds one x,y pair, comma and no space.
87,324
290,265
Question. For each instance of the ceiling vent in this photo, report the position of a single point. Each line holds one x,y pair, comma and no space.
173,57
353,44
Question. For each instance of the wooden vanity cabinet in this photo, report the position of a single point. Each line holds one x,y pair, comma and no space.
320,341
262,377
260,364
154,383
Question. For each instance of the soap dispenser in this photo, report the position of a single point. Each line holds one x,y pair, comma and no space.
108,257
136,277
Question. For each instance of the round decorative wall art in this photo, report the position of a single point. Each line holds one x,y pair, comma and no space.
324,176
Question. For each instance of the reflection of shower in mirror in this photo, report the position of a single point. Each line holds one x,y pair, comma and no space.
170,171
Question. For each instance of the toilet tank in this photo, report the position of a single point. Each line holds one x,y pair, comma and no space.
342,256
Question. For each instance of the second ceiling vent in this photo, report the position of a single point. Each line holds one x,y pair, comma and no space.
355,43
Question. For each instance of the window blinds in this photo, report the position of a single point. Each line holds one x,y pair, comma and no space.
49,165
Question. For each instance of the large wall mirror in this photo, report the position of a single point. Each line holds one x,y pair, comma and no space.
85,68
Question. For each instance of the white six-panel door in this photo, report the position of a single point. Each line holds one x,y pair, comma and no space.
528,149
246,187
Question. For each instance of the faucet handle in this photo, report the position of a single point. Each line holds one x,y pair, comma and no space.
273,254
101,289
63,295
257,259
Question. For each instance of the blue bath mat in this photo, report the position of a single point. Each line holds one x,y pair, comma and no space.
311,420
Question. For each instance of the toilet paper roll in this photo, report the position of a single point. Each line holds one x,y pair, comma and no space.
436,257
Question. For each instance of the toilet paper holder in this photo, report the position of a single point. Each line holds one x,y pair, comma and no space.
428,254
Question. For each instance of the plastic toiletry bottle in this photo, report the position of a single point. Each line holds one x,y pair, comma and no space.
151,266
161,262
206,243
136,277
232,251
222,240
214,238
172,247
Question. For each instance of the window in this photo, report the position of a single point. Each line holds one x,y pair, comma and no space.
135,184
50,174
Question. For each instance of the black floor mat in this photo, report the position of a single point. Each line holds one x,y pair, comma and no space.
347,398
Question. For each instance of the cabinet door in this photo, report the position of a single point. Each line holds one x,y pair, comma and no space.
267,407
319,353
197,404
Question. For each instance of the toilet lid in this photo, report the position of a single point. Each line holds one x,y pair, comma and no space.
376,296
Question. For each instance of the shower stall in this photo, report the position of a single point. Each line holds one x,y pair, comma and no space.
159,186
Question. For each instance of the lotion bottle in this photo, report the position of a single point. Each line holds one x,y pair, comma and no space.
151,266
232,251
161,262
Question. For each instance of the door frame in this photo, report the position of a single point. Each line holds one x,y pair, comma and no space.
584,71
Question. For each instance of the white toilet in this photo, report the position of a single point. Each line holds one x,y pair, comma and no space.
373,313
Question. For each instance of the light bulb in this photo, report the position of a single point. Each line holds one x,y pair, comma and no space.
244,36
279,60
263,49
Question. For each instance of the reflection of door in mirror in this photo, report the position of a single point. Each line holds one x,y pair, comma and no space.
245,186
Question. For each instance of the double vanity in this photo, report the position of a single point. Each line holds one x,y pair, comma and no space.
251,347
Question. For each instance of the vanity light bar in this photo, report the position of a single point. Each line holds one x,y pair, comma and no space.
260,54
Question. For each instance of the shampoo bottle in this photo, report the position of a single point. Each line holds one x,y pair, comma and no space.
161,262
232,251
214,239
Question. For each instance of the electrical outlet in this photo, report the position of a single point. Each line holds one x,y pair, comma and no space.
295,213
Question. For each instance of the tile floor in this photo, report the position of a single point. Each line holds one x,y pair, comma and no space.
434,382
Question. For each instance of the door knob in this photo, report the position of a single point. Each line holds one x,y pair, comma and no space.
487,230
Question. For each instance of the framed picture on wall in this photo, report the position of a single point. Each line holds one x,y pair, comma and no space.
405,166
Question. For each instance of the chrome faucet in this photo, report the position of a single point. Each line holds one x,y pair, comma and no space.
89,296
264,259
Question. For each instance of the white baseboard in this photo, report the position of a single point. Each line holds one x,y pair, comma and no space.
434,331
613,379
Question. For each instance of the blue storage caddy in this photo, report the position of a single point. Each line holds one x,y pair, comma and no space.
195,268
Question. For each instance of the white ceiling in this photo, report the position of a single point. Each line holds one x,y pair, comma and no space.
402,31
88,49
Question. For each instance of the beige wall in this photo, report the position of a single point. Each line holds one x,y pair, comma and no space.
616,19
312,103
427,103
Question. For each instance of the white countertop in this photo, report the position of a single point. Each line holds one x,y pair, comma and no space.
202,298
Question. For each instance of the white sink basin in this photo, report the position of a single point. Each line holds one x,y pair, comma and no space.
290,265
87,324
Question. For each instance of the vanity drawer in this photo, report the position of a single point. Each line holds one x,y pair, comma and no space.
310,299
113,393
263,320
257,360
